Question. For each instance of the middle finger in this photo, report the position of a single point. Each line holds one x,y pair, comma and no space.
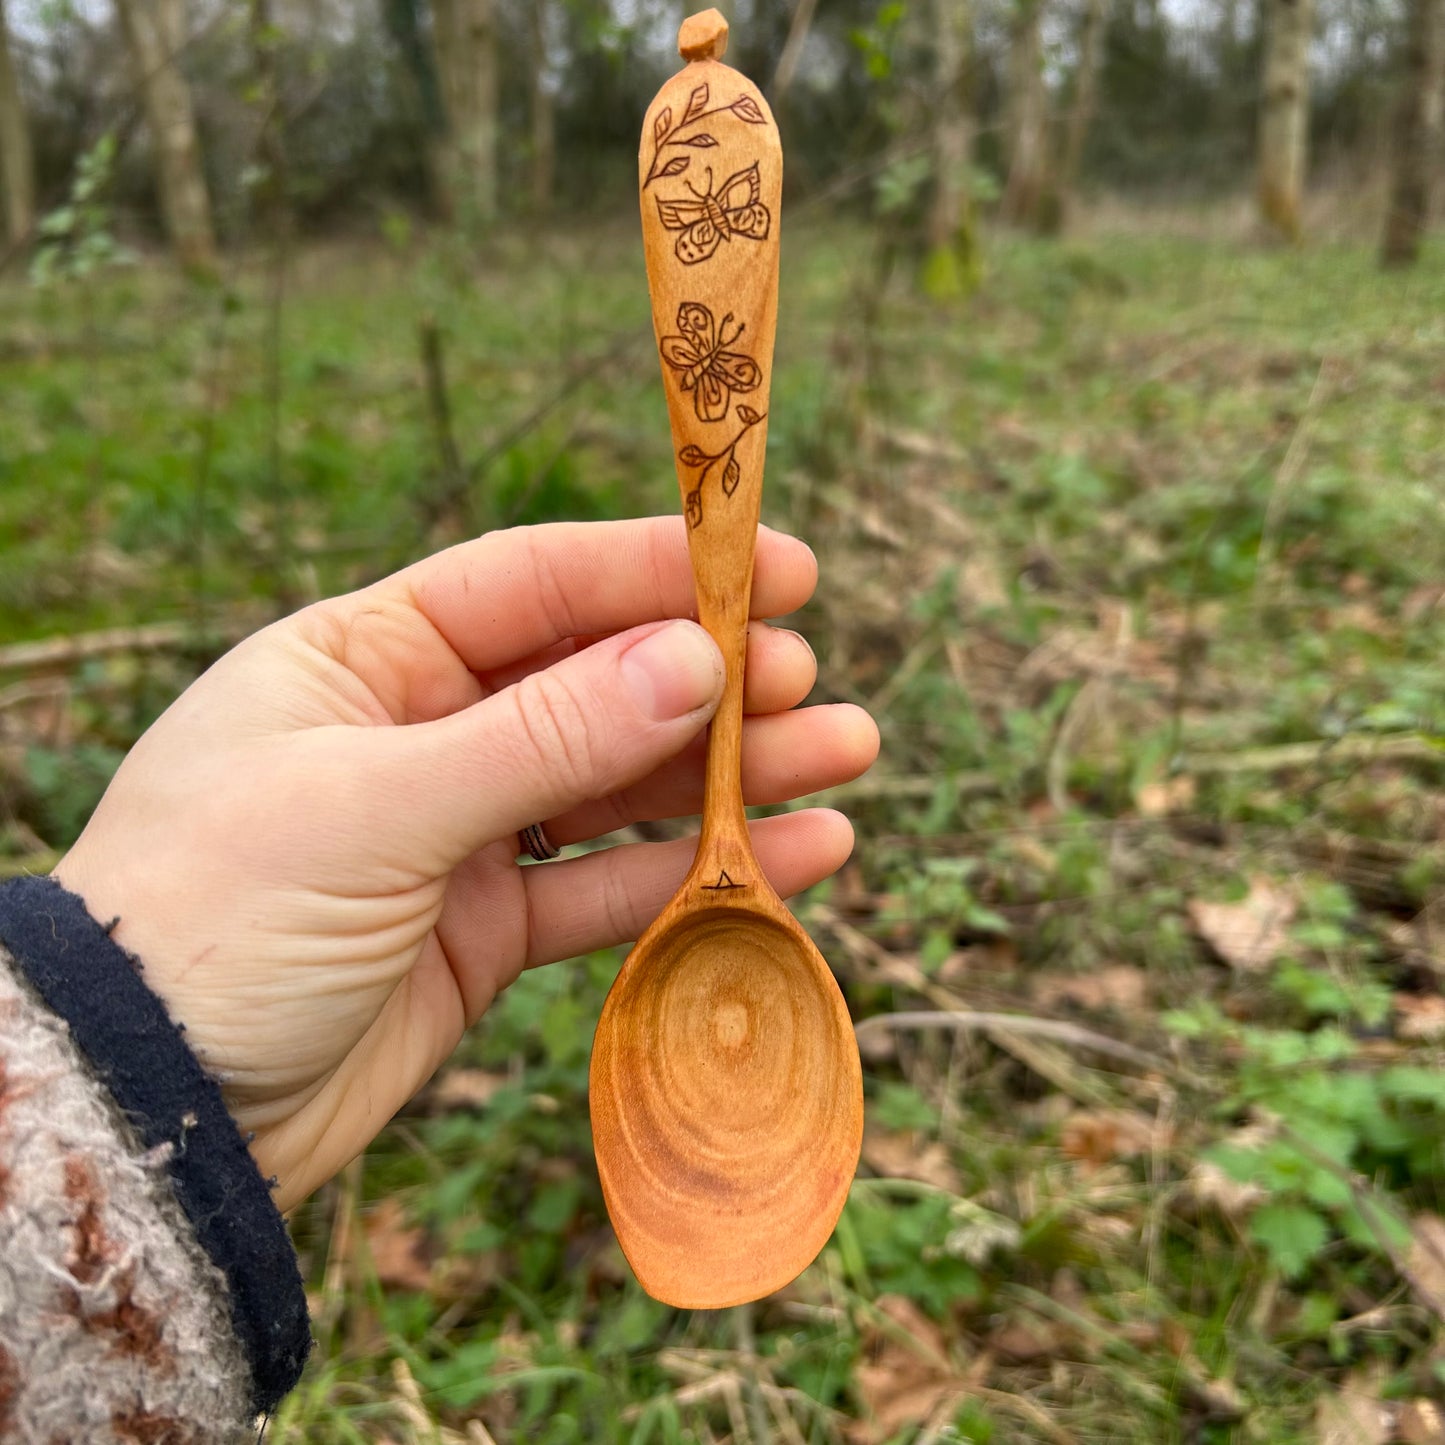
785,755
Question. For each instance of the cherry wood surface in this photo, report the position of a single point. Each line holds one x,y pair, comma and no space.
726,1092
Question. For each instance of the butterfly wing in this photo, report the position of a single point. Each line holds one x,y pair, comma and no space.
680,356
696,323
736,371
743,189
752,222
741,200
698,242
679,215
712,396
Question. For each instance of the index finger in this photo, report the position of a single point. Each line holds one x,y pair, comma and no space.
512,593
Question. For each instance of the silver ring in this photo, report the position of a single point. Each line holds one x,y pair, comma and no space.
537,844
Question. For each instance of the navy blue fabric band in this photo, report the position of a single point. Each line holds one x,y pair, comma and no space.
124,1031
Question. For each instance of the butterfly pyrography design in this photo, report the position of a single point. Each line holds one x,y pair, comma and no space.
705,365
714,216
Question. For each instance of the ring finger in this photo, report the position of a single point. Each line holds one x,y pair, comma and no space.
610,896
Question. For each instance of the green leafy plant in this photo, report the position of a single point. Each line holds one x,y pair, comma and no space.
892,1242
75,238
1331,1138
939,897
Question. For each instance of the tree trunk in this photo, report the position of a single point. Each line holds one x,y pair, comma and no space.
544,134
951,266
444,51
1284,118
802,22
1417,131
17,162
155,34
466,51
1081,109
403,20
1025,116
1226,52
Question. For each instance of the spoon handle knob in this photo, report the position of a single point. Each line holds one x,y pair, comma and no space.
710,179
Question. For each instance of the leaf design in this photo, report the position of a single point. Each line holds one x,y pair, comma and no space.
746,108
696,104
676,166
662,125
702,141
708,464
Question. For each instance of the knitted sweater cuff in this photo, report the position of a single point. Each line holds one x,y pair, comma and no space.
130,1043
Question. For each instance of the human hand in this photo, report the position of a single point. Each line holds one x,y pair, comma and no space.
313,852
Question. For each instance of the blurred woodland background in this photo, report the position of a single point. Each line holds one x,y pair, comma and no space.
1110,389
474,112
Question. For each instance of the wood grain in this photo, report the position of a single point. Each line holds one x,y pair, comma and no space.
726,1091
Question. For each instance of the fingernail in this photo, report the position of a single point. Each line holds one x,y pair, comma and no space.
673,671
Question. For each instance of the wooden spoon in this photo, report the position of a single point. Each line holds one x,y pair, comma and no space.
726,1093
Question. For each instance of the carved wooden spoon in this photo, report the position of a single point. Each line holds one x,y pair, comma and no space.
726,1093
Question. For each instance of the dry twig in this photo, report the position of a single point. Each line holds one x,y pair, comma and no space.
1288,473
965,1020
56,652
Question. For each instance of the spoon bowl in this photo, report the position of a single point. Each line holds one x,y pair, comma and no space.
726,1100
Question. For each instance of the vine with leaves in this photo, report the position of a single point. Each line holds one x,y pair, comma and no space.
694,456
665,134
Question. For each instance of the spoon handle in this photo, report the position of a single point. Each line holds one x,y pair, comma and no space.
710,177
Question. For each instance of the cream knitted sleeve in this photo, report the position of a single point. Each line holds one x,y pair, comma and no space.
114,1323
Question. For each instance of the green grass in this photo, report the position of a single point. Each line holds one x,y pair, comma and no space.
1098,546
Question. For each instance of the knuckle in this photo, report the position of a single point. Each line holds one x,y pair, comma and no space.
549,588
555,722
618,810
324,627
618,913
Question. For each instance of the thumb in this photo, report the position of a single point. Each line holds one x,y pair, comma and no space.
583,728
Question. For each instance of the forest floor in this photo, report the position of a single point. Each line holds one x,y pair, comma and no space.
1139,560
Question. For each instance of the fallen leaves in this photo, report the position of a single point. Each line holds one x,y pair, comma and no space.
1118,986
1425,1262
1096,1137
405,1257
464,1089
1208,1184
1419,1017
1250,934
1420,1422
906,1377
1354,1414
1163,796
399,1251
978,1233
904,1156
1023,1341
